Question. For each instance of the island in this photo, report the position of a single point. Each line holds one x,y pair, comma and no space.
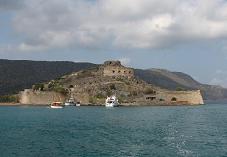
92,86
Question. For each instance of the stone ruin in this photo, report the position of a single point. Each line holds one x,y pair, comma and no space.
114,68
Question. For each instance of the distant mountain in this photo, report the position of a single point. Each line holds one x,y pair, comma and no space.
179,80
16,75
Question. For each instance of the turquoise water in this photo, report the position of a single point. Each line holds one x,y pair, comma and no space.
124,131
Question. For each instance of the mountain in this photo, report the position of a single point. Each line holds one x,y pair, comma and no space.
179,80
16,75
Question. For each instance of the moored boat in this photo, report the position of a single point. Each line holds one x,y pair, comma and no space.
112,101
56,105
70,102
77,104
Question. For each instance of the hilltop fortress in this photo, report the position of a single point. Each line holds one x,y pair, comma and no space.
92,86
115,69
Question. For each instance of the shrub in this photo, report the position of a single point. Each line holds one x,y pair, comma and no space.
109,93
179,89
112,87
9,98
61,90
92,100
39,86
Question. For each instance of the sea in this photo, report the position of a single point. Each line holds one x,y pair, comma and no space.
158,131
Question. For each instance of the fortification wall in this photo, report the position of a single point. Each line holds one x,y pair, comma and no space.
118,71
29,96
181,97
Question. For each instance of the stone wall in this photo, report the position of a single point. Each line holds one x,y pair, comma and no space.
114,68
29,96
176,97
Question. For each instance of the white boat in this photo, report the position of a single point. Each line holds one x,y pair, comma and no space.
78,104
56,105
70,102
111,101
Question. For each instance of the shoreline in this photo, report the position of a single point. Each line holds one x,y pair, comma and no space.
9,104
96,105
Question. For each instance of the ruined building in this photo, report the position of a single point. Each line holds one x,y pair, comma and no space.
114,68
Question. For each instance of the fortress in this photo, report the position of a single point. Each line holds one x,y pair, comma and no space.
92,86
114,68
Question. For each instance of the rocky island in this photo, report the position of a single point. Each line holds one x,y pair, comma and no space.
92,86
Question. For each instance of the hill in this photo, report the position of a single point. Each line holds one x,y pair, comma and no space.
179,80
16,75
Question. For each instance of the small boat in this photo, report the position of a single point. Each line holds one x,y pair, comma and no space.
56,105
77,103
111,101
70,102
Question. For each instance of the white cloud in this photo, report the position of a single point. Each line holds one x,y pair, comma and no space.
114,24
125,61
219,82
220,78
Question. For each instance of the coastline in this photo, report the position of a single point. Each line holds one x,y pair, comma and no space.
9,104
95,105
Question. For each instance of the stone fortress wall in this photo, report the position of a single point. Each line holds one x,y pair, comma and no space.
114,68
182,97
29,96
167,97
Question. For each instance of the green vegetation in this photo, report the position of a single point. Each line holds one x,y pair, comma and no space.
54,84
39,86
112,87
61,90
84,73
180,89
92,100
121,98
9,98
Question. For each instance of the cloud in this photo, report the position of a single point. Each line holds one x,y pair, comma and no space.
117,24
11,4
219,82
220,78
125,61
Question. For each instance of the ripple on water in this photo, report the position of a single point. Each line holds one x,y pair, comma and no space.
95,131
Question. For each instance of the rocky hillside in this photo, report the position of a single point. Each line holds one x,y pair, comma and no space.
17,75
92,87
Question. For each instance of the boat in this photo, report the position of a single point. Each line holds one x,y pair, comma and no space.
77,103
70,102
111,101
56,105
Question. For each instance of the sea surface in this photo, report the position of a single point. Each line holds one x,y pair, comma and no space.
176,131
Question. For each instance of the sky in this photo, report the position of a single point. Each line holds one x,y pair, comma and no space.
189,36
